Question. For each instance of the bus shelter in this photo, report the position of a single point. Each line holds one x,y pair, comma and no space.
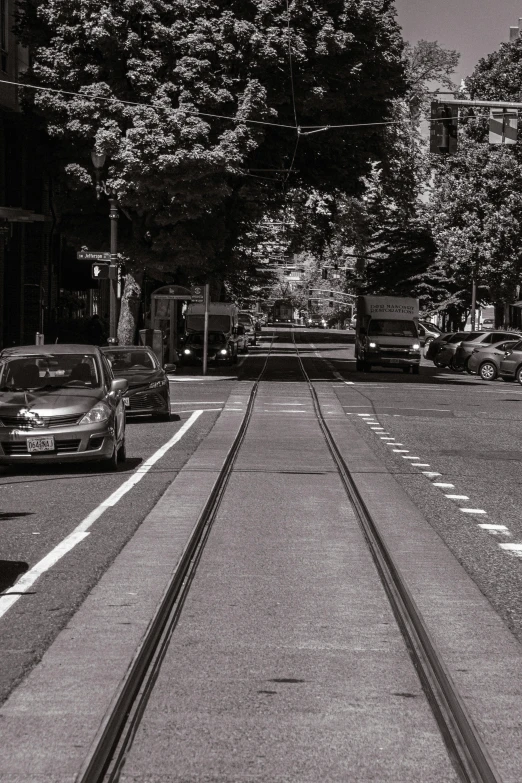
164,321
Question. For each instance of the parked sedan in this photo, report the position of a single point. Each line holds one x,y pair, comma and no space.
148,385
436,345
60,403
466,348
485,359
511,364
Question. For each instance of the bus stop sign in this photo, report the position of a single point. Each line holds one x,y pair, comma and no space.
197,293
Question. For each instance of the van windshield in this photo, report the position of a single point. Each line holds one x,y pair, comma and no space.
392,328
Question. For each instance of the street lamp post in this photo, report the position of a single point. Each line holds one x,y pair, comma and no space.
102,187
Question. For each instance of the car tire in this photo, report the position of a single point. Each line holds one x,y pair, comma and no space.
488,371
110,464
122,452
438,364
455,367
518,374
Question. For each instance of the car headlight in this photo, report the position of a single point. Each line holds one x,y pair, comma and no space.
100,412
187,351
372,345
223,352
415,347
157,384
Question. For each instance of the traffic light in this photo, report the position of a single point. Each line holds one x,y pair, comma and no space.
503,126
324,273
102,271
443,128
331,302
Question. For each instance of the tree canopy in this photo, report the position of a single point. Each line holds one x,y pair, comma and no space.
198,103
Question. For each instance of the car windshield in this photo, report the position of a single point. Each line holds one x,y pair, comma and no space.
431,327
392,328
457,337
214,338
24,373
134,360
472,336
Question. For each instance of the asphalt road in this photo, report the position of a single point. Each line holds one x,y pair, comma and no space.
460,427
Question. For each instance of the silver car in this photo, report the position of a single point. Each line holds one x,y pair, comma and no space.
60,403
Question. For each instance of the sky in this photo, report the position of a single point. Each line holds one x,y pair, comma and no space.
474,28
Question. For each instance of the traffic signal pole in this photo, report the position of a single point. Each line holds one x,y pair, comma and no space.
205,329
113,298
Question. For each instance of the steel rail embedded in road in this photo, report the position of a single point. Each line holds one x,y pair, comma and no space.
464,744
108,751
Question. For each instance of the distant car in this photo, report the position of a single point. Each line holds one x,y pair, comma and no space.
148,385
485,359
511,363
246,320
60,403
488,323
427,333
446,356
465,349
221,349
437,345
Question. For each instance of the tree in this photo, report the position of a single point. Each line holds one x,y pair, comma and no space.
185,94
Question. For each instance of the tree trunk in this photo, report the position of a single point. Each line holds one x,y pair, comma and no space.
130,307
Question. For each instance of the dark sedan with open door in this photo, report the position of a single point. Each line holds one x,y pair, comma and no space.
148,385
60,403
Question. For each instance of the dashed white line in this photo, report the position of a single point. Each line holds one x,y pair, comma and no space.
457,497
27,580
515,549
473,511
410,457
443,485
495,529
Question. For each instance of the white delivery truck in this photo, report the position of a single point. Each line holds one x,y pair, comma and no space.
386,333
223,327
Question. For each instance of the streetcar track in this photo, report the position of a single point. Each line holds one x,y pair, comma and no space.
465,746
112,745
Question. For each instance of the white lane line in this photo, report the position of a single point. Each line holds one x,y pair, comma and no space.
27,580
402,451
457,497
404,457
473,511
495,529
395,444
431,473
386,437
350,383
420,465
515,549
443,485
365,415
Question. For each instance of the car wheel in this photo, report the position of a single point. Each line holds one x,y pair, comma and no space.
518,374
487,371
122,452
111,463
456,367
439,364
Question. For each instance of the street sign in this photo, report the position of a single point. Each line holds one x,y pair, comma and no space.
197,292
105,271
92,255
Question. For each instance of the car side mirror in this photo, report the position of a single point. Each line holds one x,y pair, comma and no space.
119,385
507,353
169,367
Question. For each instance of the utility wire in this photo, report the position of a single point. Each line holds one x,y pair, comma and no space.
145,105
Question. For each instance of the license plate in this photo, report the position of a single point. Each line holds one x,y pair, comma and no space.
35,445
126,402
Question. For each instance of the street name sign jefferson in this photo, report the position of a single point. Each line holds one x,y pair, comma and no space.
92,255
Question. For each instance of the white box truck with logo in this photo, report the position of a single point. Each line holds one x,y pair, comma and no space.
386,333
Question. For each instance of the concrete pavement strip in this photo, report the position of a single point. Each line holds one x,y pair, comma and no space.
50,721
